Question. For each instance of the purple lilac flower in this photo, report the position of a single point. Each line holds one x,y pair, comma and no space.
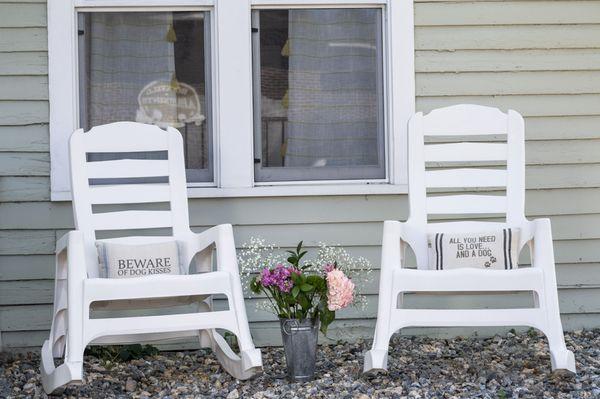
279,277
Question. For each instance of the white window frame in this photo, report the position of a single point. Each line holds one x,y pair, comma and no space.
231,57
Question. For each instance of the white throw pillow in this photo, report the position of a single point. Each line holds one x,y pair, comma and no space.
118,260
484,250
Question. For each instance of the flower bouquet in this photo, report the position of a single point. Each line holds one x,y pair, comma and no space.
304,294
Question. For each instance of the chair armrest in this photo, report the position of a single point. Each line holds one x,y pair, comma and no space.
542,251
198,242
70,256
222,238
393,244
62,243
71,273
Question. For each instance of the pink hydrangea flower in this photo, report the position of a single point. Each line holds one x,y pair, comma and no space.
340,290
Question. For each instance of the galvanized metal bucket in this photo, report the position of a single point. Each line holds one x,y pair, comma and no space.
300,345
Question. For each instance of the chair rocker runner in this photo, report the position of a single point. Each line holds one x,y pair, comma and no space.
466,120
77,284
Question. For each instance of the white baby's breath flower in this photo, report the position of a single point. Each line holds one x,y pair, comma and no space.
358,268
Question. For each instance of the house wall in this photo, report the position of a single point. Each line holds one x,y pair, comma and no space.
541,58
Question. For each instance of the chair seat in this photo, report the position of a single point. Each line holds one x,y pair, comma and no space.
523,279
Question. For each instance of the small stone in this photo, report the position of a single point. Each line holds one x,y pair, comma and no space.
233,394
130,385
29,387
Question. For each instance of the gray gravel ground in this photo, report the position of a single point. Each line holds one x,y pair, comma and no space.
516,366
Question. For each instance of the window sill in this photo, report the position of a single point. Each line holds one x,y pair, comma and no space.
280,191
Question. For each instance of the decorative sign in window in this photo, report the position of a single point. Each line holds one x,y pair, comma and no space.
165,104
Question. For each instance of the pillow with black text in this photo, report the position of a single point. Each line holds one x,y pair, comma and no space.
119,260
484,250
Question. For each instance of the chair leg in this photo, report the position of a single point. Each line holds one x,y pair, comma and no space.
543,257
377,357
70,371
243,366
66,333
561,357
251,359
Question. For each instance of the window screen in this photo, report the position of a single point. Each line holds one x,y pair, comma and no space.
318,97
149,67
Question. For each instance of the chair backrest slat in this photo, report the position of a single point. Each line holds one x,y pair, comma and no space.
465,152
130,220
124,168
130,193
466,204
465,177
459,120
88,191
137,138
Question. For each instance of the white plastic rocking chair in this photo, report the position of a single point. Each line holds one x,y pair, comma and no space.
466,120
77,283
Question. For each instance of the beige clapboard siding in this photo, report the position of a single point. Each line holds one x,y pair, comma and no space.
507,37
507,83
19,113
563,127
24,63
32,138
27,242
506,13
23,87
26,267
560,176
23,39
24,164
30,15
528,105
24,188
578,59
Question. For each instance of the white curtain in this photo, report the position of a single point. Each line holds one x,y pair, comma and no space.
333,90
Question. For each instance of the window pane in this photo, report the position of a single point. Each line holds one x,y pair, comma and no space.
318,94
150,67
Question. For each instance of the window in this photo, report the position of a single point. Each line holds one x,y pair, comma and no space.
272,97
319,113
